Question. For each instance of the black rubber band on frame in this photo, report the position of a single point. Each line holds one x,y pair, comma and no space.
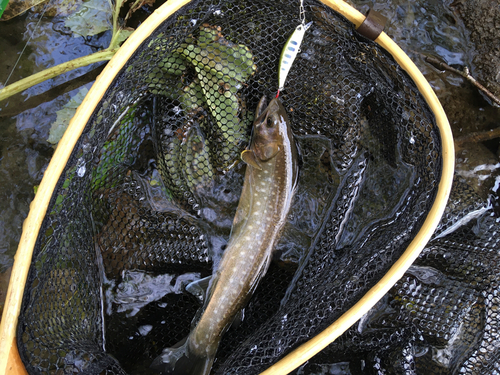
373,25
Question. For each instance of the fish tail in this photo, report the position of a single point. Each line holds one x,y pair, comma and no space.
180,361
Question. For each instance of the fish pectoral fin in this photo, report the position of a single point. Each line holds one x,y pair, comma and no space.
249,157
198,288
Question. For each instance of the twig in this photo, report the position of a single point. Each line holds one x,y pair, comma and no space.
46,74
135,6
477,137
465,73
37,78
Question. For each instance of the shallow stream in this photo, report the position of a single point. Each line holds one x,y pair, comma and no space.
420,28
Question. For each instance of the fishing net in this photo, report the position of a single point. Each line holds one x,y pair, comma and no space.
441,317
145,203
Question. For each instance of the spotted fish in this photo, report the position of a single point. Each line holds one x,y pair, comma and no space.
268,189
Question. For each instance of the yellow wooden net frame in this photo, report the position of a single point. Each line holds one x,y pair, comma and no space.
10,362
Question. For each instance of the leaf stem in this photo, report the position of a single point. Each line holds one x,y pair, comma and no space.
116,28
46,74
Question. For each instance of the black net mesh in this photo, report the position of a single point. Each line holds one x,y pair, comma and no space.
441,317
146,202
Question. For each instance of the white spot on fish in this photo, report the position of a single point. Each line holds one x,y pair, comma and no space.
257,203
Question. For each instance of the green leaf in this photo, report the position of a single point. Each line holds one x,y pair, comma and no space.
62,7
93,17
123,35
64,115
16,7
3,5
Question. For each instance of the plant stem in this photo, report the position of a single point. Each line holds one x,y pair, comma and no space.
34,101
116,28
465,73
477,137
46,74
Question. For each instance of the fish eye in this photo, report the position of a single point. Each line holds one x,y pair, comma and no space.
270,122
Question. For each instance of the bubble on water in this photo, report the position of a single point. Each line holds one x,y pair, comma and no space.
306,56
320,41
81,171
145,329
337,100
119,96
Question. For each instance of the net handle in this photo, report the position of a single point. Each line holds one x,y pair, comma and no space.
307,350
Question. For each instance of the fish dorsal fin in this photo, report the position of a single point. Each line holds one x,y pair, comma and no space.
248,157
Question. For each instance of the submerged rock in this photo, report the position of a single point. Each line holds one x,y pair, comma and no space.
483,22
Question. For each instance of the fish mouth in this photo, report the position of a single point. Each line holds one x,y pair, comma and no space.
273,106
261,107
264,110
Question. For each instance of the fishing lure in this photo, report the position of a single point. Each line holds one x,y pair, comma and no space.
292,48
289,53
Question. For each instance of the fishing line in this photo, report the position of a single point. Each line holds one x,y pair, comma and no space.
26,45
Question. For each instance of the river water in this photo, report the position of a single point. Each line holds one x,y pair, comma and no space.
419,27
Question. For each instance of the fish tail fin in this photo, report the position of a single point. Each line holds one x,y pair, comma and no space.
180,361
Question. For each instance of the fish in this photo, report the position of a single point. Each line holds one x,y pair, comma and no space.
268,189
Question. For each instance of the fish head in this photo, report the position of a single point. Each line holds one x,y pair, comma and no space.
268,134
